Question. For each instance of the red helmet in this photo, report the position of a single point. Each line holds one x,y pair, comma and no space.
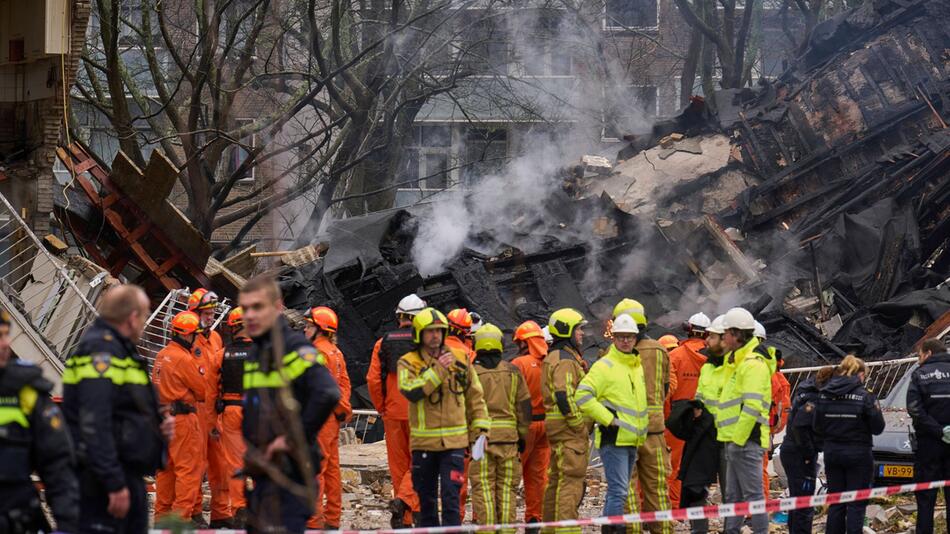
460,320
324,318
202,299
236,317
186,323
526,330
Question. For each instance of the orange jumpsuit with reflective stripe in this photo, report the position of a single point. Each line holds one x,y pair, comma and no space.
685,364
393,407
232,438
453,342
778,416
214,459
329,485
177,377
537,449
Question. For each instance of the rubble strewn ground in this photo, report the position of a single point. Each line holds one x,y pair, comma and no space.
367,489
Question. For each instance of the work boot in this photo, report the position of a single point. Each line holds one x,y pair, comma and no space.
530,530
417,519
398,509
227,523
198,521
240,518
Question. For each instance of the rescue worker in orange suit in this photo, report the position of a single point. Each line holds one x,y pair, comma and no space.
781,400
383,383
210,348
322,325
685,364
653,460
459,337
179,379
532,349
497,474
229,406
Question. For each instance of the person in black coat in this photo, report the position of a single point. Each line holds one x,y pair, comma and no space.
928,403
691,422
846,418
799,451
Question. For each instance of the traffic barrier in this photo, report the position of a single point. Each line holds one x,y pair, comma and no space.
681,514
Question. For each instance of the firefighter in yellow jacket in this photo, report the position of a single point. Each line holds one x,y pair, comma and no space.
496,476
446,415
567,428
653,458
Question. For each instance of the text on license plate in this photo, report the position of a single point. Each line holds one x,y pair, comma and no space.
896,471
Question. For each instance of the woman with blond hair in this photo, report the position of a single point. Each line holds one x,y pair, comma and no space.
846,416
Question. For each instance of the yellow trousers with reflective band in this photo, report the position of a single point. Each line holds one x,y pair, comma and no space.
653,469
495,480
566,473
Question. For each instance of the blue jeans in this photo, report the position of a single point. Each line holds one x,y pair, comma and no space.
619,463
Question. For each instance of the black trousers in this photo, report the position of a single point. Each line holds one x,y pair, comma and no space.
430,470
932,463
801,482
848,467
271,508
94,516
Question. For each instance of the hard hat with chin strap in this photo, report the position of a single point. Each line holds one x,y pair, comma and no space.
323,318
488,338
527,330
563,322
632,308
460,319
739,319
186,323
236,317
428,319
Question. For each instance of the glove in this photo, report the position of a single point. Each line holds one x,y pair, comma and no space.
808,486
478,449
946,434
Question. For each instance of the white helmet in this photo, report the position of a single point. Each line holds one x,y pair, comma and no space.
548,338
738,318
715,327
699,321
759,330
411,305
624,324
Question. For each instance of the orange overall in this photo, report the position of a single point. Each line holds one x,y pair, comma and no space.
180,386
214,458
537,450
393,407
778,416
231,417
453,342
329,485
685,364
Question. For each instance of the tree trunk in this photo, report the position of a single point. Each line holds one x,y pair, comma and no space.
688,77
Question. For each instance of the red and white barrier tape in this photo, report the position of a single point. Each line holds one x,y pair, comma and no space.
680,514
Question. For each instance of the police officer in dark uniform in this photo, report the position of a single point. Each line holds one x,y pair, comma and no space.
33,437
112,412
846,418
799,451
280,358
928,403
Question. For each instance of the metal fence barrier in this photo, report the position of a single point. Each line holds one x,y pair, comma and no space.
158,328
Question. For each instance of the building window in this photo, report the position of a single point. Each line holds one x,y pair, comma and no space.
425,168
237,153
542,38
622,14
485,49
638,113
486,153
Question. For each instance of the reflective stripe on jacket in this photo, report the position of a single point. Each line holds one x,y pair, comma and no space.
745,399
562,371
656,373
711,379
446,406
615,387
508,402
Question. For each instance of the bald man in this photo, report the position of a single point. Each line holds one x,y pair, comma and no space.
112,413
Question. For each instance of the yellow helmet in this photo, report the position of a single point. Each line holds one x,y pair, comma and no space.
563,322
488,337
427,319
632,308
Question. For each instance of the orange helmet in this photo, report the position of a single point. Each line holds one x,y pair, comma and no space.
528,329
236,317
186,323
202,299
669,341
460,320
324,318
